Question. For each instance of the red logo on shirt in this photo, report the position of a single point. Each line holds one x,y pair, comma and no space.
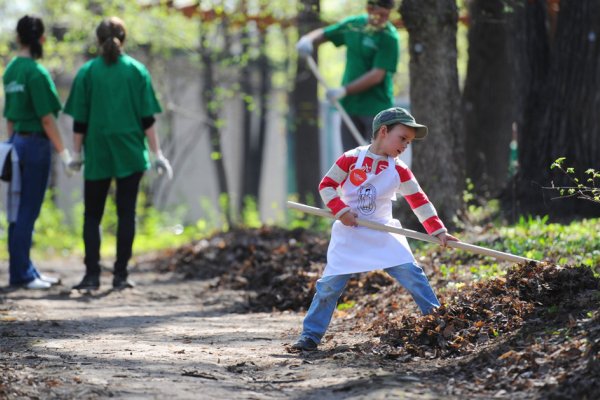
357,177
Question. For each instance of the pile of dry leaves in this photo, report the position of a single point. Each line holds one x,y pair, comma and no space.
537,329
481,311
279,266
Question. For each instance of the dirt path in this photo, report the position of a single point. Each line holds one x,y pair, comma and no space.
176,339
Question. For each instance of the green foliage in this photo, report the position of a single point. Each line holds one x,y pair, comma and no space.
468,195
589,190
574,243
250,213
299,219
476,210
59,235
346,306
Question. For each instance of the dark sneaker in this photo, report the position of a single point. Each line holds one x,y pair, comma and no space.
89,282
120,283
305,344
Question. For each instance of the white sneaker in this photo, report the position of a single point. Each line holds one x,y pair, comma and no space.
50,279
37,284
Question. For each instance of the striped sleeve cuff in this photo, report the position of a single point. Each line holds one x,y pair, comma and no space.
434,225
337,206
343,211
438,231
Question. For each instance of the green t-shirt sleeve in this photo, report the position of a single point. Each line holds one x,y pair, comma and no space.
43,95
150,105
388,53
77,105
336,33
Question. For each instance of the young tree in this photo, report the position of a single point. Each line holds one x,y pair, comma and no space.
255,84
435,100
305,112
210,55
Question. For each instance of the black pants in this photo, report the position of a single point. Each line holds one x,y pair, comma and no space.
95,193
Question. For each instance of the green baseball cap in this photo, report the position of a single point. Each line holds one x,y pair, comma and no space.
397,115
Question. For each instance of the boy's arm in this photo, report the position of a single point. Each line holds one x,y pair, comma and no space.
330,183
419,202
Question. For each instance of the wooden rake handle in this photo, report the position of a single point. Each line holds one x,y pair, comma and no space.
415,235
345,117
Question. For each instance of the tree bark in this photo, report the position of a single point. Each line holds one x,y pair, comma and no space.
561,119
255,119
265,70
305,115
438,161
208,90
249,166
489,108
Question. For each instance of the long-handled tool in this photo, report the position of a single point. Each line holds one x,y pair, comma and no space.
406,156
415,235
345,117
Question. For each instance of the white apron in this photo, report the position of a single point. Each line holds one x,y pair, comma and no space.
361,249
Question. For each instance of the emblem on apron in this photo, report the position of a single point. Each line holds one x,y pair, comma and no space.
360,249
367,194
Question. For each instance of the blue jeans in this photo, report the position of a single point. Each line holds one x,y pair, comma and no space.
330,288
34,156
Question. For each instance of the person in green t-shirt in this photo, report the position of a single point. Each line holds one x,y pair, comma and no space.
372,53
30,108
112,103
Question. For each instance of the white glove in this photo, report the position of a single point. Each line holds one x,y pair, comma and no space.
76,162
65,157
335,93
162,165
304,47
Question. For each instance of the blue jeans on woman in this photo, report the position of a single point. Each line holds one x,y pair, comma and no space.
330,288
34,156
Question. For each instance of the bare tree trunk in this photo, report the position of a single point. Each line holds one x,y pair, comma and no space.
249,168
488,98
208,100
438,161
265,70
561,118
254,119
305,115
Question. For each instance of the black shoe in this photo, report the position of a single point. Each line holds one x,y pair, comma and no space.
89,282
305,344
120,283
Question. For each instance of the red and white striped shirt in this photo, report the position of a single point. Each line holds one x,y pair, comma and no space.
409,188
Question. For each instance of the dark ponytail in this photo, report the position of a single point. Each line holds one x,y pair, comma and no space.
111,35
30,30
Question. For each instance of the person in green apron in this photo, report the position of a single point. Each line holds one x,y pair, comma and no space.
30,108
372,54
112,103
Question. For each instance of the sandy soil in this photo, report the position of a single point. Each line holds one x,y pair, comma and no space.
176,339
